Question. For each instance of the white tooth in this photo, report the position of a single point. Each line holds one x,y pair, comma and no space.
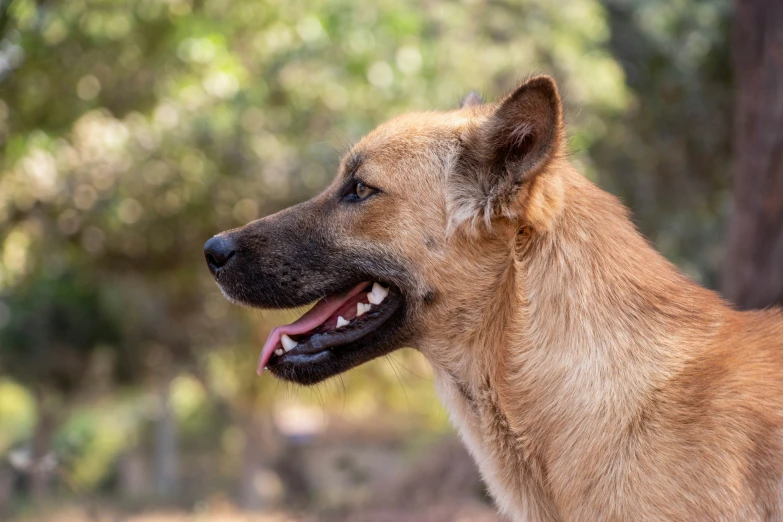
380,290
341,322
279,351
361,309
288,343
378,294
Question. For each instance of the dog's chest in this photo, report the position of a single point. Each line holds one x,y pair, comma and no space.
502,455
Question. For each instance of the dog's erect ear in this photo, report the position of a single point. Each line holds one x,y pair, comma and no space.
505,151
523,133
471,99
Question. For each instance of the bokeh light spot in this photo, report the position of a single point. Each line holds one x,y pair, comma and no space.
69,222
221,84
245,210
310,29
93,239
88,87
129,211
380,74
409,60
85,196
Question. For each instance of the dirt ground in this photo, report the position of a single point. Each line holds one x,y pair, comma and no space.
444,487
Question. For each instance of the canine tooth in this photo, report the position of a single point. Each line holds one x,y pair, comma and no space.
379,289
279,351
341,322
288,343
361,309
378,294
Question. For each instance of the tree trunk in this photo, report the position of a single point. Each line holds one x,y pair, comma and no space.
166,447
134,475
753,272
260,487
40,471
6,490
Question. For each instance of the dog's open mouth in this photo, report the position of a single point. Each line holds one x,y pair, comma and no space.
333,322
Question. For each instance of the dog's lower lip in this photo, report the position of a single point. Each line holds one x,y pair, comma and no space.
319,342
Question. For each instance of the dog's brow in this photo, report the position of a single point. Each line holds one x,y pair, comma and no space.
353,163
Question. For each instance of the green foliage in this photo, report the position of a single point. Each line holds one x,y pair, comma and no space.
133,130
54,325
92,440
669,155
17,414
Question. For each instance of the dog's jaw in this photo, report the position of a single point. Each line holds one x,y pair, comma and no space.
314,354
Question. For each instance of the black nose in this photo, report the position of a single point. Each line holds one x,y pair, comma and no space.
218,251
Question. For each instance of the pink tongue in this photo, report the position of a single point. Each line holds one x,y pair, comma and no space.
314,317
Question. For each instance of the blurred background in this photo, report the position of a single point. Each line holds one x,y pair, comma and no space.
133,130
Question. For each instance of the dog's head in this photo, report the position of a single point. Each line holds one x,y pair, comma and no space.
409,242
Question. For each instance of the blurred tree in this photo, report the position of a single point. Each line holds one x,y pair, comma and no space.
249,402
753,271
668,155
48,344
132,130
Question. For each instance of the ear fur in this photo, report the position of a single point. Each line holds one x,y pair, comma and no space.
504,151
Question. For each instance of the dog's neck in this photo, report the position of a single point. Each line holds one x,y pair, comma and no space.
589,321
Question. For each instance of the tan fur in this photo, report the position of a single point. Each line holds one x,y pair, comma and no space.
588,377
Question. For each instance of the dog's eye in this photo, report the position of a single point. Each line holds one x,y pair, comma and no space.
361,190
358,191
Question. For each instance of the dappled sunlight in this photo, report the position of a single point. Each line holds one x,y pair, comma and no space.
132,131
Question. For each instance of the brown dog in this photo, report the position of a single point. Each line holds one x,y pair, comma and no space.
587,376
